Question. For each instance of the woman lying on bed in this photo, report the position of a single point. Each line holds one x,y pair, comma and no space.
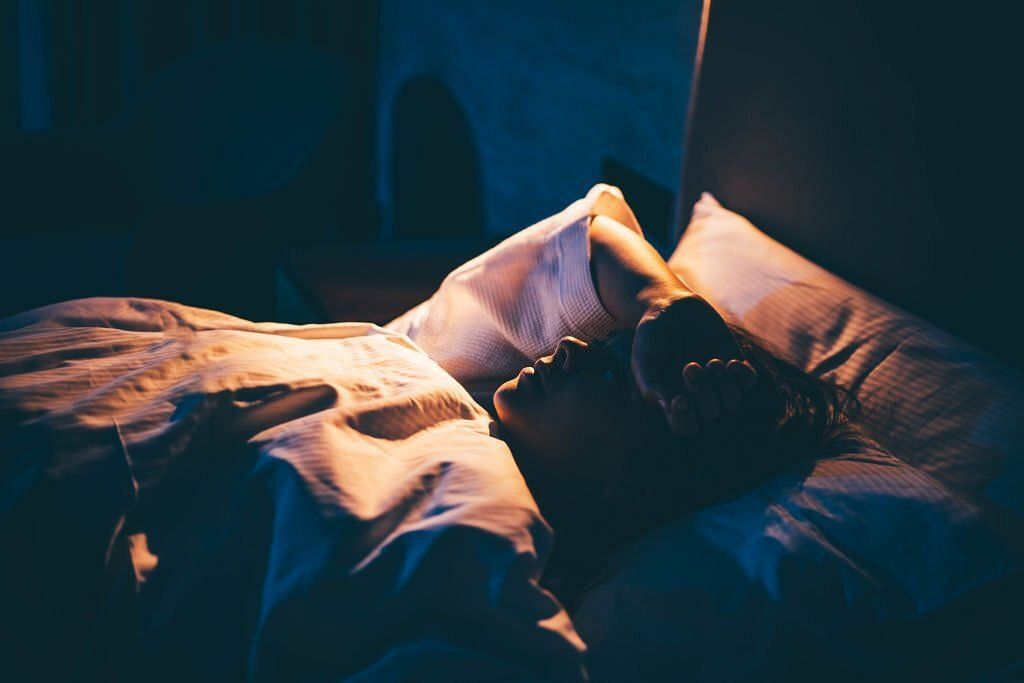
630,401
656,410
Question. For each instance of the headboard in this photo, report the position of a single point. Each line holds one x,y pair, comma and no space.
879,139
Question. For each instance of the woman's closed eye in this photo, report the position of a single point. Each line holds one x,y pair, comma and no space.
608,365
572,356
608,375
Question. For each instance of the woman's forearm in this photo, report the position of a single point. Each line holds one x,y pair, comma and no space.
629,275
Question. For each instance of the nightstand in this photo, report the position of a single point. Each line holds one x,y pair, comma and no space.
372,282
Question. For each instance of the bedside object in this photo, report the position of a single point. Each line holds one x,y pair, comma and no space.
369,282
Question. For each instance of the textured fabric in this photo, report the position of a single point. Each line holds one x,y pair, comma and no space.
840,570
469,326
933,400
862,565
290,502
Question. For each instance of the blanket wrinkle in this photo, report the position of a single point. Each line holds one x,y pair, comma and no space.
289,501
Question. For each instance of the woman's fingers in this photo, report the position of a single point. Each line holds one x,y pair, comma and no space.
654,391
710,391
728,389
682,420
744,372
700,389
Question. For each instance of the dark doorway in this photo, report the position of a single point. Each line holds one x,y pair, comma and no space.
435,172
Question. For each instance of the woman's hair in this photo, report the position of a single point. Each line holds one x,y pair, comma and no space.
789,416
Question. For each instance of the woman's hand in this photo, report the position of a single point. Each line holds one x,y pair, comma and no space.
686,361
675,330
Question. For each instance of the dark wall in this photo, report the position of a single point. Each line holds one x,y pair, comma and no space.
173,149
178,149
555,96
881,139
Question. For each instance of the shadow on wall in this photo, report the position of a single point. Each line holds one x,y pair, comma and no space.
239,150
436,186
230,153
653,203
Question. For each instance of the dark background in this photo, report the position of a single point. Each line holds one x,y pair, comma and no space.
287,160
881,140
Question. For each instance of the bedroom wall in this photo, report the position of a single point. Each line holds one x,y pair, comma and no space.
554,96
133,134
142,140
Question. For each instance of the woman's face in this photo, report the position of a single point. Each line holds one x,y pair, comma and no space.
573,413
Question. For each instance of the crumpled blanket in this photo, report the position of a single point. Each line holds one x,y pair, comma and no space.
189,495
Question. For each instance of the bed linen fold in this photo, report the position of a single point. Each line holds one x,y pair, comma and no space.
310,496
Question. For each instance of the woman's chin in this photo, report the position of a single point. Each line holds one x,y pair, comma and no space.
504,398
516,395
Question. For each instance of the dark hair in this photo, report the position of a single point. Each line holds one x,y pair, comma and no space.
790,416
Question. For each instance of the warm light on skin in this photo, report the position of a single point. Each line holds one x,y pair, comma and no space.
574,413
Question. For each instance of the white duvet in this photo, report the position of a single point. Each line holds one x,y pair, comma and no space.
302,502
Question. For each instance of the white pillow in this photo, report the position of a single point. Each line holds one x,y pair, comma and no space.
931,399
862,565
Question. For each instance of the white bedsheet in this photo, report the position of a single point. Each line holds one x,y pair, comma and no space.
394,515
318,501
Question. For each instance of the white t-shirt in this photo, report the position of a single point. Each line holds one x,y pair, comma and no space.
510,305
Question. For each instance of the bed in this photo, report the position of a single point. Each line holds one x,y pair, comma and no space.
900,559
196,496
859,220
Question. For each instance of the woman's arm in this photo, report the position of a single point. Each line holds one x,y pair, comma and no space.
685,358
583,272
629,275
